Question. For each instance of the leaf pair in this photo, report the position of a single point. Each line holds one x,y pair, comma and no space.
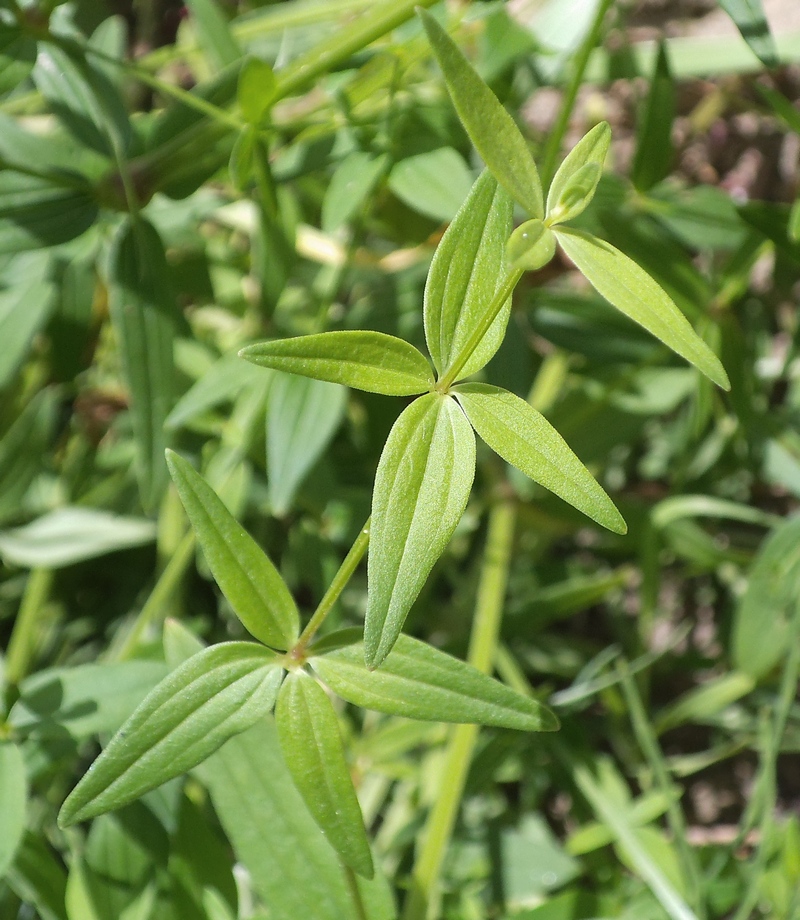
505,152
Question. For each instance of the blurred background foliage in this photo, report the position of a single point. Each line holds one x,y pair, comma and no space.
671,654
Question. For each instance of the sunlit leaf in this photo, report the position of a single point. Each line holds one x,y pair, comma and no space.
215,694
256,90
575,182
371,361
421,489
491,129
467,268
243,571
13,801
312,747
524,438
632,291
213,33
418,681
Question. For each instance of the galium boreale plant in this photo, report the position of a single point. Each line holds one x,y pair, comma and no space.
422,485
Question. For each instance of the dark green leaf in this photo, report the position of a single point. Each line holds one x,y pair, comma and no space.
24,309
654,150
23,448
752,23
248,579
418,681
632,291
38,877
242,158
524,438
34,213
434,183
312,747
13,800
215,694
142,311
421,489
491,129
574,183
371,361
302,416
17,56
467,268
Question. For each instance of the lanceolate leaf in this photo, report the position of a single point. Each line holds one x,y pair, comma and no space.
466,270
371,361
590,151
142,312
752,23
524,438
215,694
420,682
248,579
13,796
632,291
491,129
312,747
421,489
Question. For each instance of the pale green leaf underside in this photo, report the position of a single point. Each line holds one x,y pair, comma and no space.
525,439
312,747
467,268
420,682
371,361
592,148
491,129
215,694
421,489
247,578
633,292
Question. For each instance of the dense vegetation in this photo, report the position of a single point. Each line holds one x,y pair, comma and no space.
230,237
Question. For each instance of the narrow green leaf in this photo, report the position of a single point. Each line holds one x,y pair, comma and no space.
243,571
24,309
143,315
705,701
371,361
38,877
221,383
302,416
435,183
17,56
242,160
752,23
13,800
213,33
256,90
491,129
421,489
24,450
654,149
214,695
467,268
312,747
525,439
418,681
632,291
351,183
573,186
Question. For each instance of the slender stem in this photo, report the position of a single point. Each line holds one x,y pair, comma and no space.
22,643
580,61
339,583
643,730
157,604
355,893
482,650
498,301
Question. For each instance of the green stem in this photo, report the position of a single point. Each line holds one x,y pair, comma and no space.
498,301
158,602
482,650
579,64
643,729
339,583
355,893
22,644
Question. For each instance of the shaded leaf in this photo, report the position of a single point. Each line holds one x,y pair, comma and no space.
312,747
525,439
35,213
632,291
215,694
418,681
752,23
23,449
302,418
421,489
371,361
435,183
248,579
491,129
256,90
13,800
574,183
213,33
17,56
467,269
654,149
24,309
351,183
